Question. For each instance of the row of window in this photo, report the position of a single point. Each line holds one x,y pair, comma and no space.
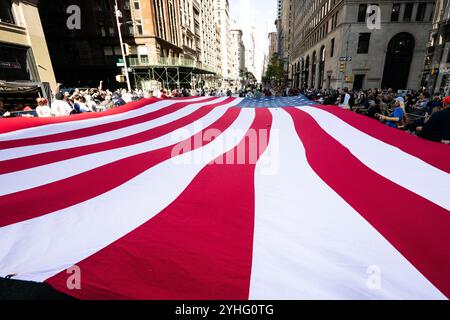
323,31
395,13
363,45
364,38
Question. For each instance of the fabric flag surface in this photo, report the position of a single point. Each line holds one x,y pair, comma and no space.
224,198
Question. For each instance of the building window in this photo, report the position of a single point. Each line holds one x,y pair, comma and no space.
332,48
362,12
143,59
5,11
421,11
108,51
102,31
17,63
408,12
363,43
395,12
117,51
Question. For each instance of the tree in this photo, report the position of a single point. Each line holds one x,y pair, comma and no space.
275,74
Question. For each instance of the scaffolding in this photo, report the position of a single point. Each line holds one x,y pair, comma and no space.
176,74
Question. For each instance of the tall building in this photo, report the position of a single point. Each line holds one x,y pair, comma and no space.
222,19
272,49
198,31
285,30
393,34
168,47
84,56
188,36
24,54
382,48
208,56
250,51
218,48
273,44
278,24
436,77
154,29
238,55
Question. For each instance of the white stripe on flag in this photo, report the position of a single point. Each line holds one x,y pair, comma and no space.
33,177
60,127
39,248
102,137
390,162
310,244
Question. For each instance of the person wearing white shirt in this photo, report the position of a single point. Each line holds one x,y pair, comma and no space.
345,99
43,110
90,103
60,107
126,96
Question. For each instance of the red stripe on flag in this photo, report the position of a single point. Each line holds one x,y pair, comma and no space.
416,227
95,129
433,153
13,124
199,247
31,203
7,166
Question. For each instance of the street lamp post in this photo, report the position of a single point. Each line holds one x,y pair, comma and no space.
119,14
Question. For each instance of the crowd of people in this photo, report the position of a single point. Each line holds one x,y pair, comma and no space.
415,111
65,102
418,112
73,101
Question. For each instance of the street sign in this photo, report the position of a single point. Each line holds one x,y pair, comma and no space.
348,79
123,70
345,59
120,64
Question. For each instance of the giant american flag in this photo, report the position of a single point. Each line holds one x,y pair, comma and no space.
224,198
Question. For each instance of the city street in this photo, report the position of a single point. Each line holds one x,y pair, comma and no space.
224,150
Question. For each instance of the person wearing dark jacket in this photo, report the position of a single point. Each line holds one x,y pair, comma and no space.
437,128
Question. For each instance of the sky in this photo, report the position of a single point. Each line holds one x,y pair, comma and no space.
260,14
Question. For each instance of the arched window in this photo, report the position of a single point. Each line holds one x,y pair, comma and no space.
322,56
399,54
313,70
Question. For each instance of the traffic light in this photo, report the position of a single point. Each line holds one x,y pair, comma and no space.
342,66
120,78
126,49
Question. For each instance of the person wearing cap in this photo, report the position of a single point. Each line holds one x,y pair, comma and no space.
397,117
437,128
43,110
